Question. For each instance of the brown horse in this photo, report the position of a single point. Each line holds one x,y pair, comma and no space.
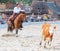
17,22
47,32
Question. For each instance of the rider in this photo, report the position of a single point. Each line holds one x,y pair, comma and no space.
16,11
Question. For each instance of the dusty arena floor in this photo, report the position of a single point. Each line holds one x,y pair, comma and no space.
28,39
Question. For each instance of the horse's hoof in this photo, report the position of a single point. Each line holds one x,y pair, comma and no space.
16,35
40,43
20,28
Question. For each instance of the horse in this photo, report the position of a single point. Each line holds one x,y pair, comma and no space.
47,33
17,24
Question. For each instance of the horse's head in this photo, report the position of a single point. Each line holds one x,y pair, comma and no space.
21,16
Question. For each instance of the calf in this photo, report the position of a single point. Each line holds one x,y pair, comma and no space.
47,32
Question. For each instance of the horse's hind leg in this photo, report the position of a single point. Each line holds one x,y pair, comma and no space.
9,26
8,29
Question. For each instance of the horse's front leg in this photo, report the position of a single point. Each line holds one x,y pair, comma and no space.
21,26
16,32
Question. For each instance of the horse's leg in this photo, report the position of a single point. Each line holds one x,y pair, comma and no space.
16,31
10,26
21,26
11,29
16,27
8,29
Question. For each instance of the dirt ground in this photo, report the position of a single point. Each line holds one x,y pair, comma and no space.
28,39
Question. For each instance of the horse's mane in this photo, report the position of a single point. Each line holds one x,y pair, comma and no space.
20,17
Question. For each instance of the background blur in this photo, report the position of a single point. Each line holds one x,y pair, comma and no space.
36,10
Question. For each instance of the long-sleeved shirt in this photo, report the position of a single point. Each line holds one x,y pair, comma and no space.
17,10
